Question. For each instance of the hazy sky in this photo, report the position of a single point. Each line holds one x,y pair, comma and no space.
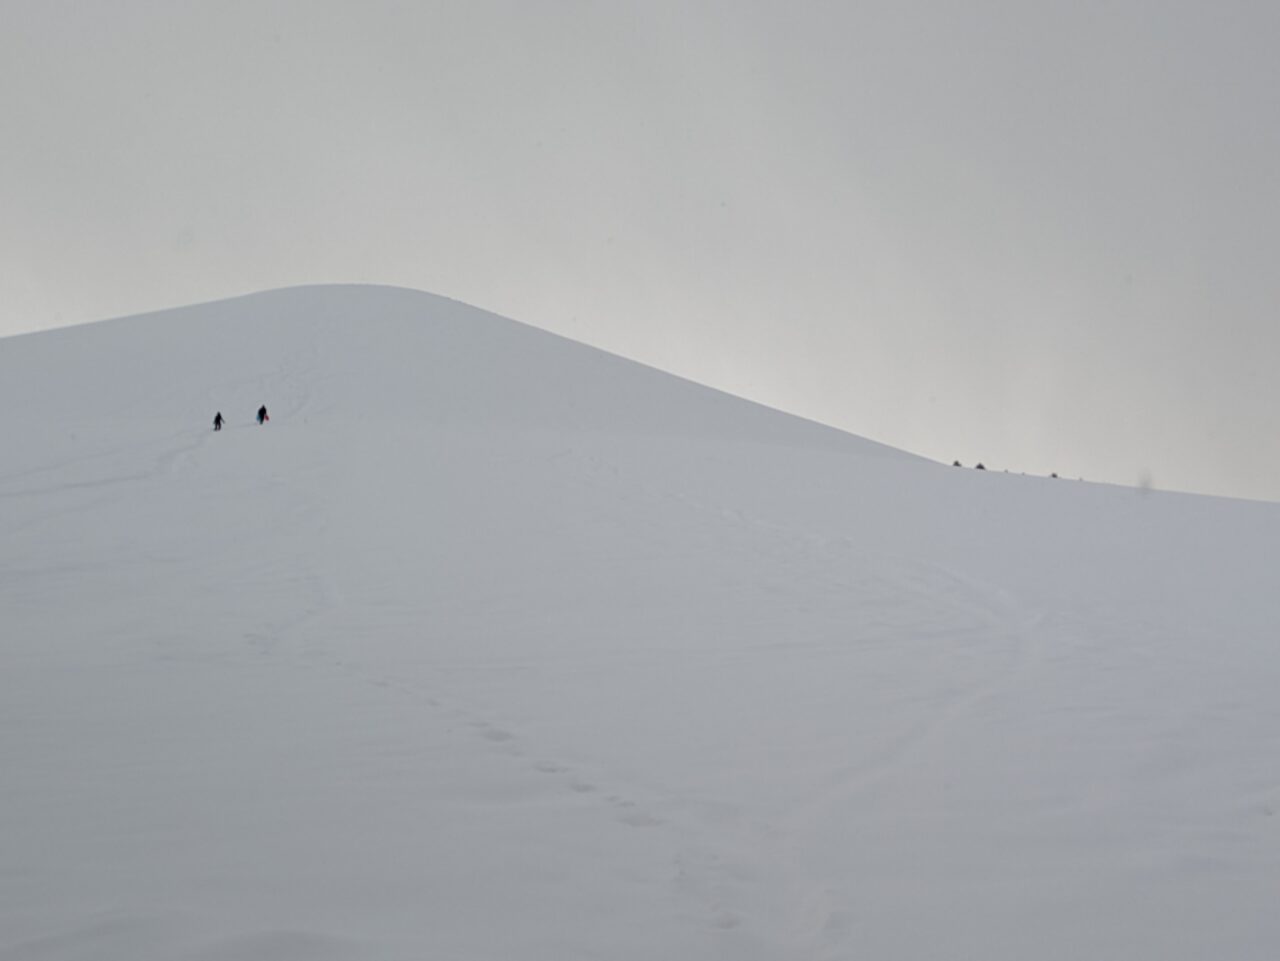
1043,235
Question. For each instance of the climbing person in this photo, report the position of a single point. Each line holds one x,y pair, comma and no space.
263,417
217,421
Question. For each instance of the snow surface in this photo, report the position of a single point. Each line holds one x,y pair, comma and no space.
493,646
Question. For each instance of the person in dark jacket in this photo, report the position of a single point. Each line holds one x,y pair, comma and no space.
263,417
217,421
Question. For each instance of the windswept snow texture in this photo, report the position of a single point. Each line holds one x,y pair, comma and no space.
493,646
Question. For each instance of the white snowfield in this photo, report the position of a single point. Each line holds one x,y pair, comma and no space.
493,646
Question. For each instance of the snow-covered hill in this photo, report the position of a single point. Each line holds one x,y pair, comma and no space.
493,646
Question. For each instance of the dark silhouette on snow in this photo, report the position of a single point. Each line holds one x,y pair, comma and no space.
956,463
263,416
217,421
980,467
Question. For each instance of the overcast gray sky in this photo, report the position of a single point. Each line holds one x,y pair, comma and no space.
1043,235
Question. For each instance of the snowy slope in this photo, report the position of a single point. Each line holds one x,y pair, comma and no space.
493,646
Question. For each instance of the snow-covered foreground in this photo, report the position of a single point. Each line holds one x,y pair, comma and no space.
492,646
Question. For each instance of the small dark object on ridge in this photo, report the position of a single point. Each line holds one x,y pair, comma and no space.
956,463
979,466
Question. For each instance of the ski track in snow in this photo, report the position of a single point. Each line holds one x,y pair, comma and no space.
714,876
